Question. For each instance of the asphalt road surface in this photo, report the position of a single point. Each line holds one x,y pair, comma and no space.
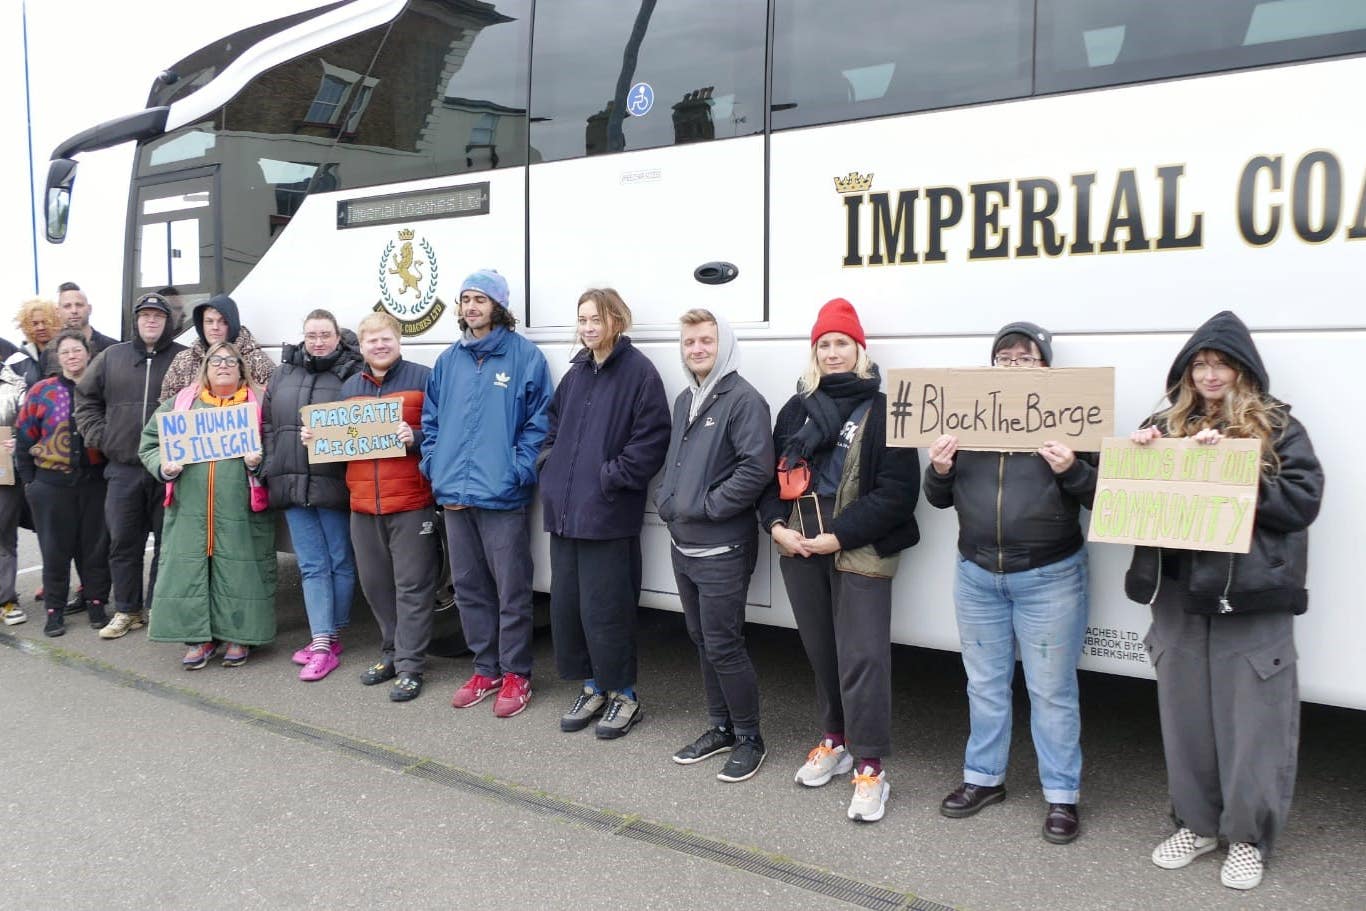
131,783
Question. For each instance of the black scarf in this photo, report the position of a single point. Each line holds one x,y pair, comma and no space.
827,410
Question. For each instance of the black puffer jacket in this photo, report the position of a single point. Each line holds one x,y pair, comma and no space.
119,392
300,380
1014,513
1271,576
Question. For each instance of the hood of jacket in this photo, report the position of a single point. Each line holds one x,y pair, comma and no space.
727,362
224,305
1226,333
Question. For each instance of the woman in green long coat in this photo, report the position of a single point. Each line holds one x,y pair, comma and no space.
216,578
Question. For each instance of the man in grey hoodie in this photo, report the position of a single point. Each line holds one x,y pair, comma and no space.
720,460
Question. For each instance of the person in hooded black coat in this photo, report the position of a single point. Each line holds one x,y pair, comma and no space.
1222,638
314,498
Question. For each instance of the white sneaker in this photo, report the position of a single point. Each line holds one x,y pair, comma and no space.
1182,847
870,796
823,763
1243,866
121,624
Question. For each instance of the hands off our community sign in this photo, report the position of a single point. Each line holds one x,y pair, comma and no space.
1177,493
364,429
209,434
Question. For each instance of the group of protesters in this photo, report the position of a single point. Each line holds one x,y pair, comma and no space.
485,430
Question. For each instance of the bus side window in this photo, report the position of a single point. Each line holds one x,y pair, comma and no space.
612,76
877,57
1090,43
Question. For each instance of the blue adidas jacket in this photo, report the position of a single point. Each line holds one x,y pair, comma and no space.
484,420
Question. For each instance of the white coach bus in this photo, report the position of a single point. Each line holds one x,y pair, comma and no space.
1114,170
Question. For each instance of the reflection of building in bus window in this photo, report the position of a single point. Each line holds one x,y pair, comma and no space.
693,117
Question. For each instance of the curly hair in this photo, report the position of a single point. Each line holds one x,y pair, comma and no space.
41,311
1245,412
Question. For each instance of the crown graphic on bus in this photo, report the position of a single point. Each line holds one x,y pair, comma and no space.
853,182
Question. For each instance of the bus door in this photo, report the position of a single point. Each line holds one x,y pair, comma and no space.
647,163
174,239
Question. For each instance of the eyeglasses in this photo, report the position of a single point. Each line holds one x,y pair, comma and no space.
320,336
219,360
1024,360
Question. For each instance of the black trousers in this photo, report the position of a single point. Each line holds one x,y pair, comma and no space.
845,624
69,520
594,596
713,591
132,510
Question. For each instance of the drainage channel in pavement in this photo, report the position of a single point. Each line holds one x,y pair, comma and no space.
792,873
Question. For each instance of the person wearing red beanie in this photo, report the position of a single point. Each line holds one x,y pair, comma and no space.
845,511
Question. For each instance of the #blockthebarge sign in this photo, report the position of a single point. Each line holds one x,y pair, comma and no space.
209,434
355,429
996,408
1177,493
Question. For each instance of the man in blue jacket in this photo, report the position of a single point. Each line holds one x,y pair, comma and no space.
483,421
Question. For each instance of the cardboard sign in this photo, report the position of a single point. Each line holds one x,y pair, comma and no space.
355,429
209,434
6,458
996,408
1177,493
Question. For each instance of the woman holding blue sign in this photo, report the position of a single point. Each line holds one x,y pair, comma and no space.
1222,639
216,578
314,497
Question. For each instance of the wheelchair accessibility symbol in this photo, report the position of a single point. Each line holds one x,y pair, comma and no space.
640,99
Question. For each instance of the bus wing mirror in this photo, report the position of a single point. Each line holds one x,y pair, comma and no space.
61,175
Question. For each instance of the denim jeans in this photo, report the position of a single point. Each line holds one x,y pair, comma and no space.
322,542
1044,609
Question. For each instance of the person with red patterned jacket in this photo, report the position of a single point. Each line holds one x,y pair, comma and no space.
393,525
64,482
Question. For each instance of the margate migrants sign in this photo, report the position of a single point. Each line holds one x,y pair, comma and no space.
356,429
995,408
209,434
1177,493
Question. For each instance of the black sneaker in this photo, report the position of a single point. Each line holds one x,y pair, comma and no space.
744,759
56,624
378,672
95,612
406,688
712,741
76,604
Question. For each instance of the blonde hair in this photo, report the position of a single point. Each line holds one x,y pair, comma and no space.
696,317
243,374
811,377
611,308
1245,412
378,322
38,310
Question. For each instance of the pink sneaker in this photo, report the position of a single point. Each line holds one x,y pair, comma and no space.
302,655
475,691
319,665
513,697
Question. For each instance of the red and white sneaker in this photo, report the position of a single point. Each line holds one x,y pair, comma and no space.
513,697
476,690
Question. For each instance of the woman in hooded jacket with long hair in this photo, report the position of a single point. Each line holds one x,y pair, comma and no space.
1222,637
